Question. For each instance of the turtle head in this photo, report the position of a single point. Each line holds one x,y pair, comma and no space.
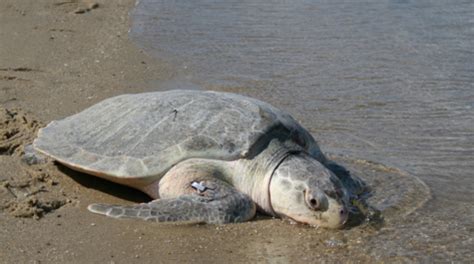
303,190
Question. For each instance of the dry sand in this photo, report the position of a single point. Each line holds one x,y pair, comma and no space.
58,57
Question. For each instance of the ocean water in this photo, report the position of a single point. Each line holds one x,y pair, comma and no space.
387,84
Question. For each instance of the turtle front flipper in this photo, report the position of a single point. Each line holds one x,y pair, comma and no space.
188,195
215,207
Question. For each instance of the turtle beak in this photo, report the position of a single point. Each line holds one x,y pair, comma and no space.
336,215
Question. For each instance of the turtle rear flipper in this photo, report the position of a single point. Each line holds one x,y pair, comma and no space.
213,202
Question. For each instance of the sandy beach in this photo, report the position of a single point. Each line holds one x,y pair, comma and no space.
58,57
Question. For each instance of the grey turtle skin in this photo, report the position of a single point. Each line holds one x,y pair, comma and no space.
203,156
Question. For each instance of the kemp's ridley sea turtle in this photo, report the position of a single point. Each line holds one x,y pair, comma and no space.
204,157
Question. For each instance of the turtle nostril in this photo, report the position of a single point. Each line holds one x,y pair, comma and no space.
313,203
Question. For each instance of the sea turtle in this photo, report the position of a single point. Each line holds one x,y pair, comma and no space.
203,156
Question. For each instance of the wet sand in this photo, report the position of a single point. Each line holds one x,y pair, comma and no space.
58,57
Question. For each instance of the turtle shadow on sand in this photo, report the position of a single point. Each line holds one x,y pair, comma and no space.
121,191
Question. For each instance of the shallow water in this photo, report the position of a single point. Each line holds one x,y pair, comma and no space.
385,81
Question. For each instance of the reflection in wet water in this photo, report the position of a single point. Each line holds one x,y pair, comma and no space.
394,192
388,81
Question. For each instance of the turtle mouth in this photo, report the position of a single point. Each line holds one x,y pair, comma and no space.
344,216
323,219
